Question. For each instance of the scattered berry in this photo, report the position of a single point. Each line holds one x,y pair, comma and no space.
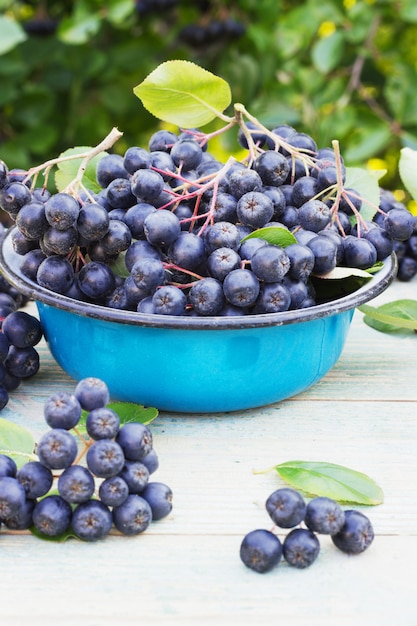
356,534
286,507
261,550
300,548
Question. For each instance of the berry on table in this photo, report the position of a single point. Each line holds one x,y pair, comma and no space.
356,534
286,507
261,550
300,548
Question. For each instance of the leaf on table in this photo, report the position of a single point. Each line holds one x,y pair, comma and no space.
68,534
392,317
16,442
331,480
184,94
274,235
127,412
130,412
67,170
407,167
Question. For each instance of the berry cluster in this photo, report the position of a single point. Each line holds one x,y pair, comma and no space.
56,494
350,530
406,250
180,220
19,334
209,31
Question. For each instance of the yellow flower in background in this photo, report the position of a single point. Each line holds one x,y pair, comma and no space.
399,194
326,29
377,164
349,4
412,206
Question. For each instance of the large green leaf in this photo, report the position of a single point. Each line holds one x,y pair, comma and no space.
16,442
183,93
331,480
407,168
11,34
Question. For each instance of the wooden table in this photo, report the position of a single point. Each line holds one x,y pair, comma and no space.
186,569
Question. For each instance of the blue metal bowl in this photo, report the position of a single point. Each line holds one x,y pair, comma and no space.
194,364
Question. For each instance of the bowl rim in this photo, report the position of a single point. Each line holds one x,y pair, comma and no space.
9,267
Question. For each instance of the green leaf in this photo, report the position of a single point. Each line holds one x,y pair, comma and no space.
327,52
11,34
392,317
339,273
118,11
79,29
338,283
118,266
184,94
365,183
408,10
127,412
16,442
67,170
333,481
68,534
407,167
274,235
130,412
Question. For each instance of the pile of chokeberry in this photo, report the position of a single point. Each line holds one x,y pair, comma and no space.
56,494
20,332
406,249
180,221
350,530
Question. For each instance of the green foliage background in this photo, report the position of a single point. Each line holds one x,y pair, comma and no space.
338,69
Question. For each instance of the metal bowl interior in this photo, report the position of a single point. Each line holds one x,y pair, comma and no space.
192,364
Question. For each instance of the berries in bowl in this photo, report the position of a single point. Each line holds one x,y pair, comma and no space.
196,285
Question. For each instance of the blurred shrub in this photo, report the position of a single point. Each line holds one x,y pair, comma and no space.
336,69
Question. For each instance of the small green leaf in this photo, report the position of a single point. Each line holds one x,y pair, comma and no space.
366,185
184,94
78,28
274,235
16,442
118,11
130,412
327,52
11,34
68,534
337,287
339,273
333,481
392,317
407,168
127,412
67,170
118,266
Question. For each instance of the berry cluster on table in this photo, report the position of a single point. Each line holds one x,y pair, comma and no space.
85,484
262,550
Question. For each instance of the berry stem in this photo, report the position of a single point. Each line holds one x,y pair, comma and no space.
113,136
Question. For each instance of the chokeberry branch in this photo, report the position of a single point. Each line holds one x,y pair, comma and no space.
113,136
